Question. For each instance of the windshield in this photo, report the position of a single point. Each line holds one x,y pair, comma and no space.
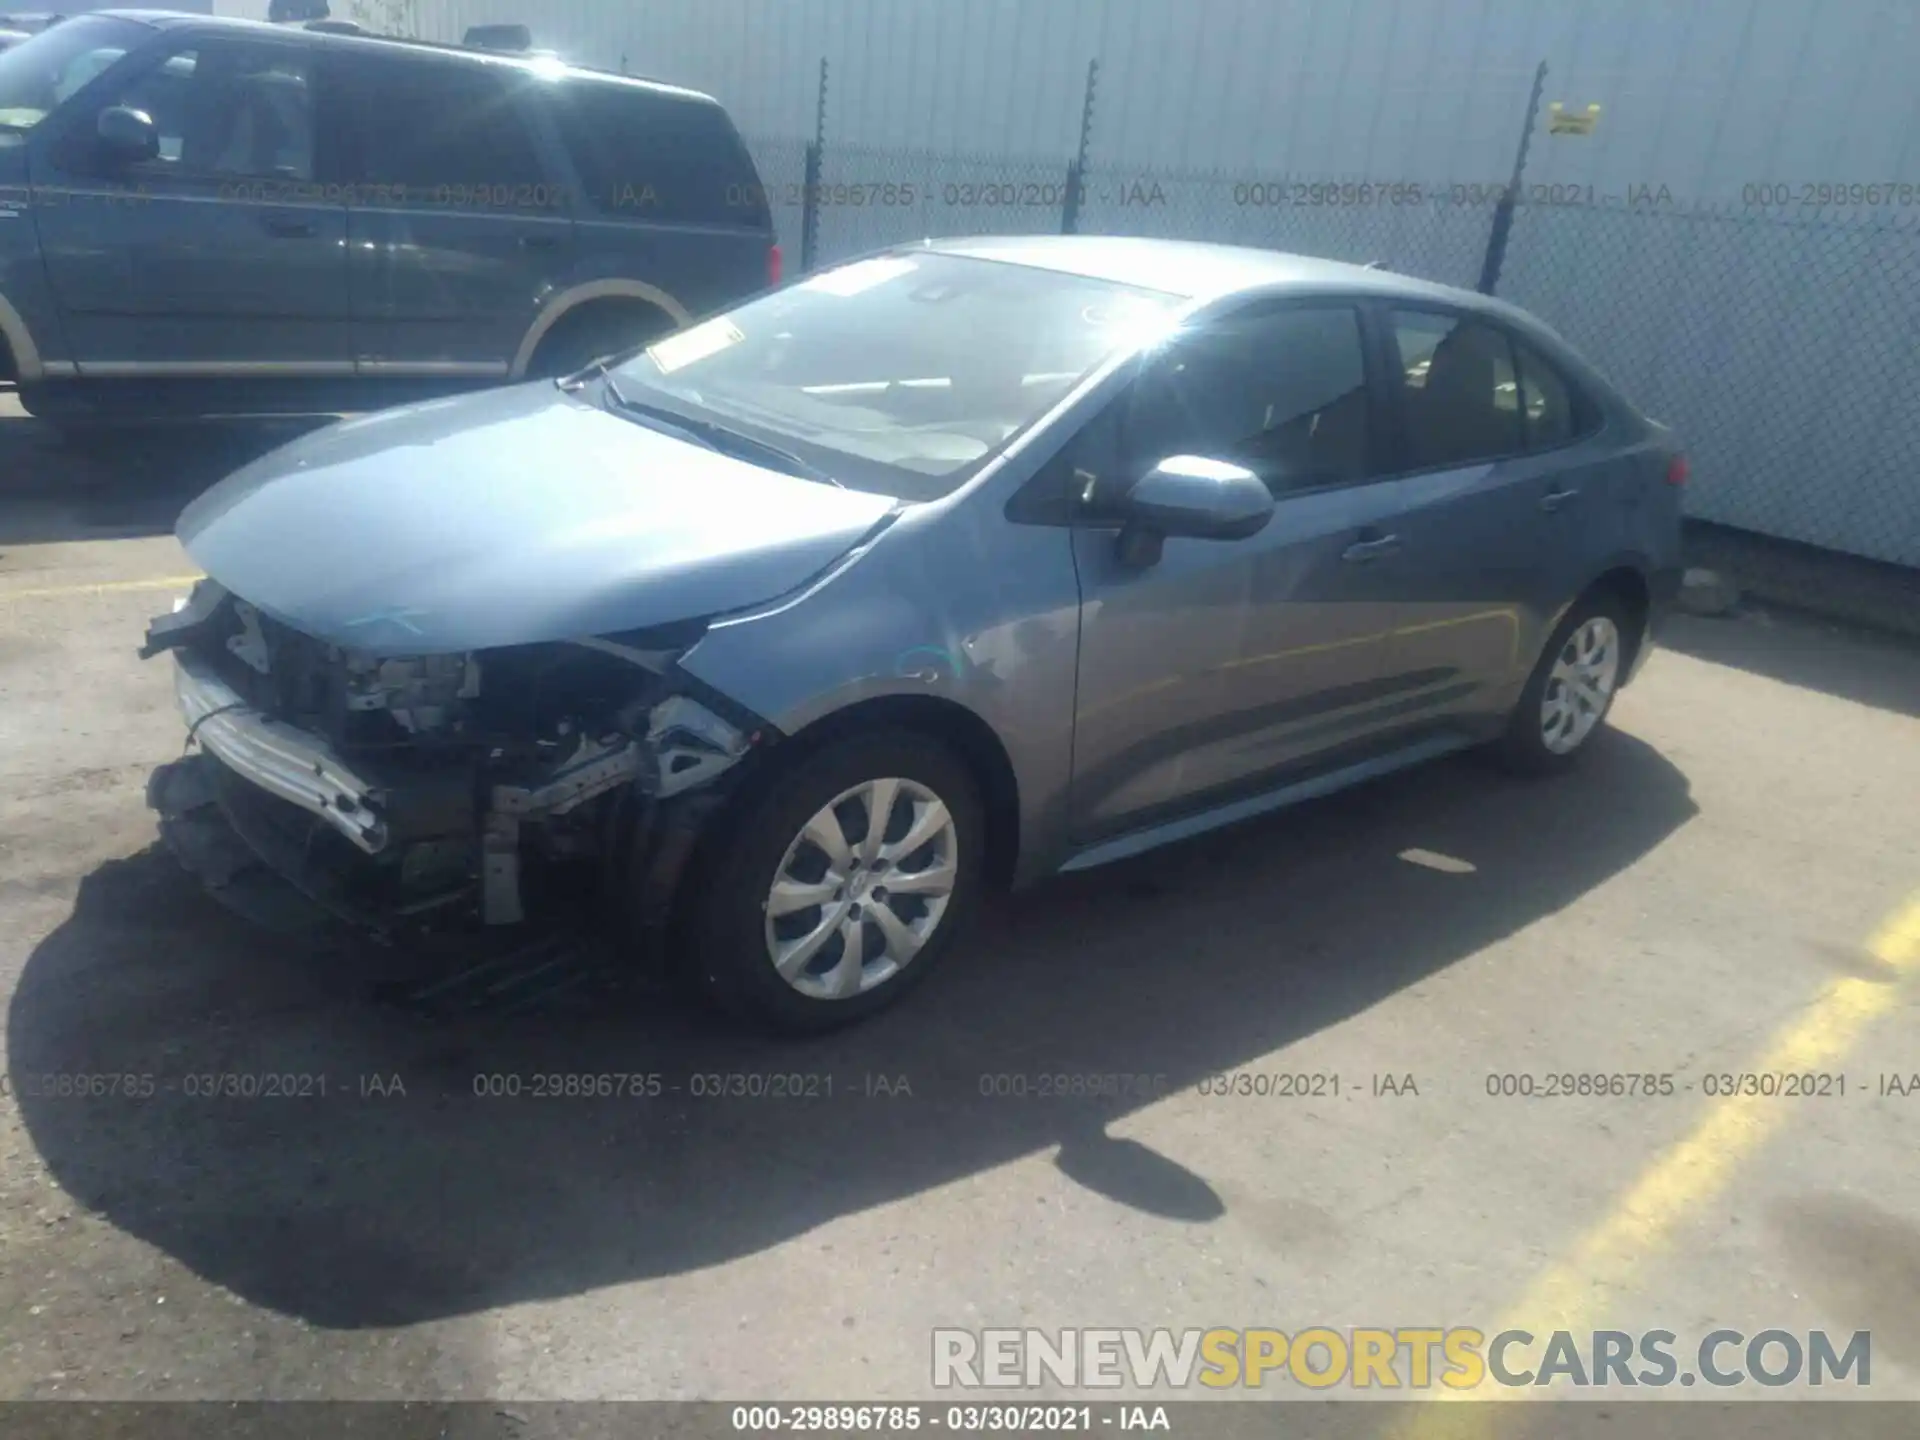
37,74
901,374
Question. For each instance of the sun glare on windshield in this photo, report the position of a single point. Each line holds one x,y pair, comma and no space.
902,373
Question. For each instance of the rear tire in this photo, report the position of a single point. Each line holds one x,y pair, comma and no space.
791,936
1571,690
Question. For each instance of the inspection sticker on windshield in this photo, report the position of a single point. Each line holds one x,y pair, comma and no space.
707,338
859,276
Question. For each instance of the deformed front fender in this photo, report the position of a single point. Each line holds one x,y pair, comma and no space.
977,612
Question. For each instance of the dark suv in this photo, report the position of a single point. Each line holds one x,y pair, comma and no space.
204,216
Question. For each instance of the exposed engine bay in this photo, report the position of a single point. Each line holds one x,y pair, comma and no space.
424,790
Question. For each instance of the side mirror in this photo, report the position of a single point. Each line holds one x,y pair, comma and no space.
126,136
1193,497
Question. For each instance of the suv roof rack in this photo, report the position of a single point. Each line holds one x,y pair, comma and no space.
328,26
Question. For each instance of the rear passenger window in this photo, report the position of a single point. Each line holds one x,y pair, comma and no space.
444,134
1459,396
646,155
1556,413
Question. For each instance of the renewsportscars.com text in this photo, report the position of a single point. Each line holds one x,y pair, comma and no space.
1400,1358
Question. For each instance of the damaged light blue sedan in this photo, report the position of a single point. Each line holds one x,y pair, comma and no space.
964,563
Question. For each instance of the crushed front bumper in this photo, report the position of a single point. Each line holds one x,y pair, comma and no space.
282,760
398,835
270,884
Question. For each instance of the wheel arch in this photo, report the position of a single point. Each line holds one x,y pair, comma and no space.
1627,583
19,356
575,299
951,723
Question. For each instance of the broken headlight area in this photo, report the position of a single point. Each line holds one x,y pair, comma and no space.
402,791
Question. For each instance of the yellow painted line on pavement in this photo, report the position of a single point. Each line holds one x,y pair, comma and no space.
103,587
1898,941
1573,1294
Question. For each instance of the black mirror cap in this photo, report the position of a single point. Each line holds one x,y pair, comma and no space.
1200,498
126,134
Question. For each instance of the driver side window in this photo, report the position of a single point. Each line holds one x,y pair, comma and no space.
1283,393
223,109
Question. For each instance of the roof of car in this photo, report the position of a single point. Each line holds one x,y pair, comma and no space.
544,64
1200,270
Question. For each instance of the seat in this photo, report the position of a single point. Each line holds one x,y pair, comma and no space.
1453,416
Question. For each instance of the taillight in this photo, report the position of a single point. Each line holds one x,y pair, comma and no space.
1677,470
773,265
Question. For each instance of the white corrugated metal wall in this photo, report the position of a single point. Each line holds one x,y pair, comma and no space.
1700,95
1736,329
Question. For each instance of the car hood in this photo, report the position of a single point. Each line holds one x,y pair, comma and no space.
507,518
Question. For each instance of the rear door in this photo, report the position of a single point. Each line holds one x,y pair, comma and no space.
1581,484
458,227
224,254
1477,573
669,196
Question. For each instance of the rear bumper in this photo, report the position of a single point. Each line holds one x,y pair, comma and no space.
283,761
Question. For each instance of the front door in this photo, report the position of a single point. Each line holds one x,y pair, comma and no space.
1227,664
458,234
225,254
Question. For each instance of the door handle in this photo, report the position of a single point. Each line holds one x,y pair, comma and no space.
1371,548
539,242
291,229
1554,499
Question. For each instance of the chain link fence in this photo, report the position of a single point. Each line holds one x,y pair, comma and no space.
1777,341
1779,346
1434,231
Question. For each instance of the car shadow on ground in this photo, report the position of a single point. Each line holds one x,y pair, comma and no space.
119,483
372,1208
1868,667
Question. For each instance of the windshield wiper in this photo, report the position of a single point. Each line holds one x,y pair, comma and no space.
715,436
601,369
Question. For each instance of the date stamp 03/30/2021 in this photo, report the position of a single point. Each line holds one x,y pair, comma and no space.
1141,1087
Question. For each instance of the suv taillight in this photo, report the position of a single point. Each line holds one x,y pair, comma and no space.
773,265
1677,471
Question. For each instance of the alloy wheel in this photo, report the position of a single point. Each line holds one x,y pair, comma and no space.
861,889
1580,684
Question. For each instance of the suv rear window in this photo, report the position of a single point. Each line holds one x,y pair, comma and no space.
648,155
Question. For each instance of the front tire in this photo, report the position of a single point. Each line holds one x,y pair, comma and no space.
1571,690
839,888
